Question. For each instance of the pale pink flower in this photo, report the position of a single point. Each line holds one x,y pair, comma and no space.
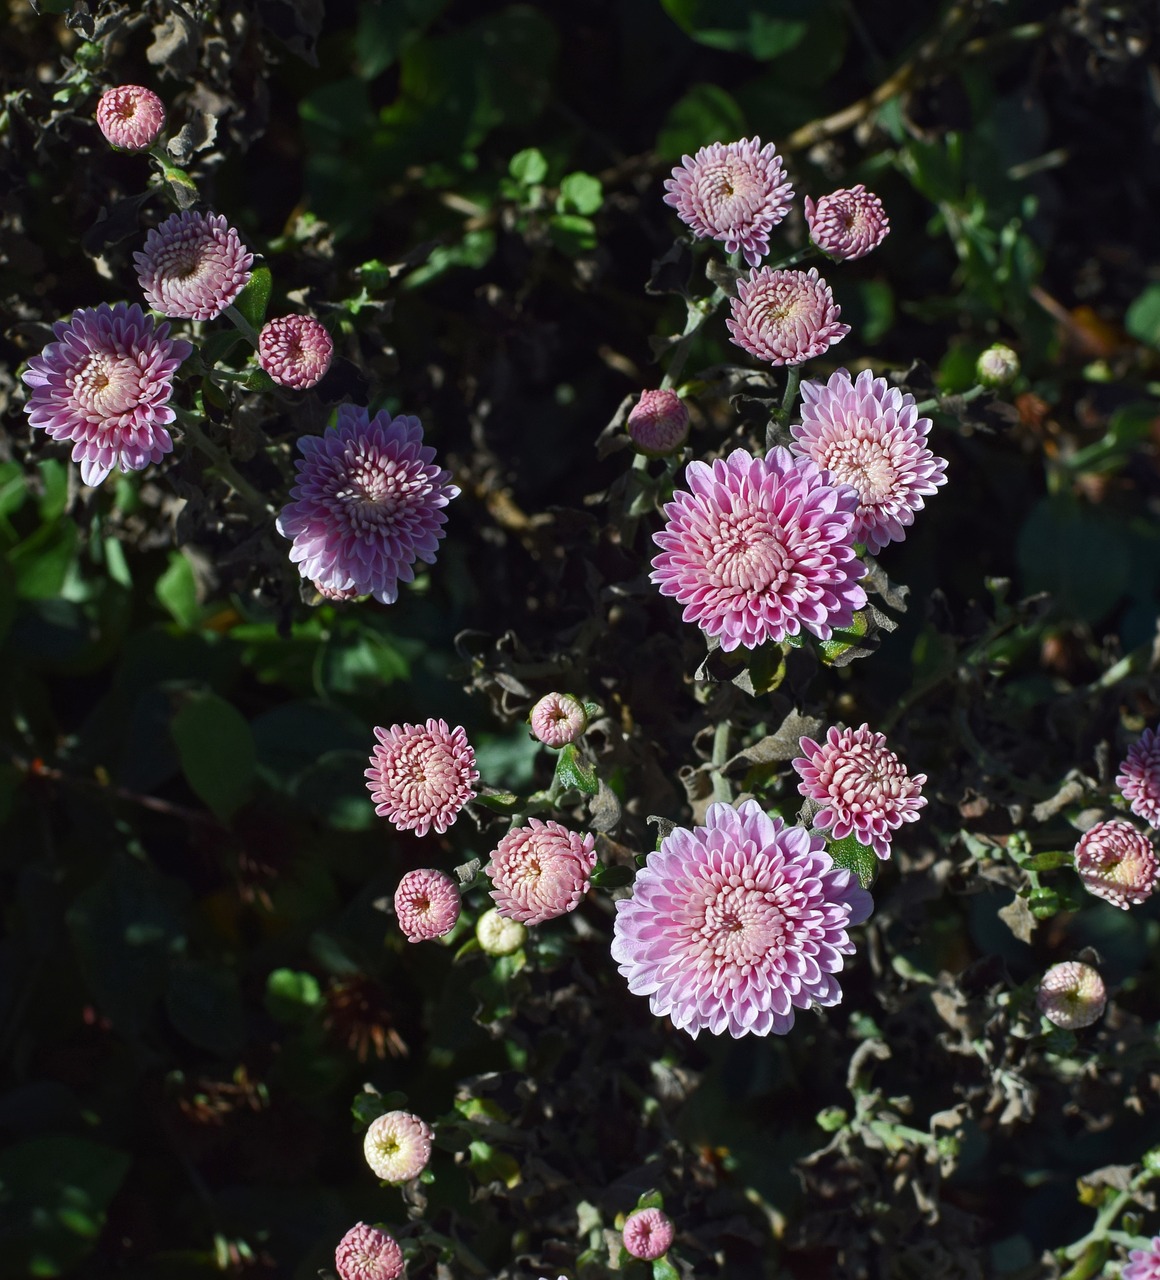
368,1253
541,871
1139,777
193,266
760,549
734,925
848,223
397,1146
557,719
785,316
427,904
1143,1264
648,1234
295,351
105,384
735,192
1071,995
1117,862
131,117
421,775
658,423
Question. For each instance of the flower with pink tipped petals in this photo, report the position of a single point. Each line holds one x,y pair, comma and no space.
1139,777
785,316
131,117
847,224
868,434
540,871
368,1253
295,351
397,1146
193,266
648,1233
557,719
1143,1264
1071,995
1116,862
421,775
658,423
427,904
366,504
735,192
105,384
862,786
760,549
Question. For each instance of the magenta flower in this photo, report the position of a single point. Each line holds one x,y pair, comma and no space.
540,871
658,423
1143,1264
862,786
734,925
847,224
131,117
1116,862
1139,777
760,549
735,192
105,384
1071,995
785,316
368,1253
421,775
193,266
648,1234
366,504
427,904
295,351
868,434
397,1146
557,719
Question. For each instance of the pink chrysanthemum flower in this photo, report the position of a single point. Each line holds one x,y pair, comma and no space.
541,871
648,1234
785,316
557,719
1143,1264
1139,777
295,351
760,549
1071,995
868,434
131,117
658,423
735,192
862,786
105,384
1116,862
193,266
366,504
421,775
427,904
398,1146
847,224
368,1253
734,925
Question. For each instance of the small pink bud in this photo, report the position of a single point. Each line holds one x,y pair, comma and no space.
131,117
659,423
648,1233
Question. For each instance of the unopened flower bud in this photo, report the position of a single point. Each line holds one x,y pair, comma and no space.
659,423
997,366
498,935
131,117
1071,995
648,1233
557,719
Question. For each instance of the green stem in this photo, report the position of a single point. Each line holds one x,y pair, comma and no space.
936,402
721,788
243,326
221,462
693,326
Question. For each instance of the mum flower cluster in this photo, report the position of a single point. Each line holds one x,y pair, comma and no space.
1117,862
295,351
397,1146
1071,995
193,266
784,316
541,871
426,904
421,775
557,719
131,117
368,1253
1139,777
1143,1264
848,223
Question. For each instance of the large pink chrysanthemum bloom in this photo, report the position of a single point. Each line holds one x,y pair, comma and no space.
1143,1264
648,1234
868,434
105,384
785,316
295,351
541,871
862,786
368,1253
426,904
658,423
760,549
734,925
366,504
1117,862
557,719
847,224
421,775
397,1146
193,266
1139,777
735,192
131,117
1071,995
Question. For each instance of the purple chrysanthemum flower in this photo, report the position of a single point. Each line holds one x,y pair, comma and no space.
785,316
426,904
366,504
131,117
733,925
421,775
105,384
397,1146
847,224
368,1253
1143,1264
1117,862
1139,777
868,434
735,192
193,266
658,423
540,871
760,549
557,719
648,1234
862,786
1071,995
295,351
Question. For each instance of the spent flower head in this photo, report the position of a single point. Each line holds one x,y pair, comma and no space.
1117,862
295,351
541,871
1139,777
426,904
397,1146
785,316
658,423
648,1234
421,775
1071,995
368,1253
193,266
131,117
557,719
497,935
848,223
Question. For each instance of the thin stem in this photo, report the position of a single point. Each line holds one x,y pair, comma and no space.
693,326
793,380
721,788
221,462
243,326
936,402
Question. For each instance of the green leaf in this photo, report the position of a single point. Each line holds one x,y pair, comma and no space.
844,640
292,997
259,380
176,590
528,166
612,877
580,193
573,774
216,748
41,563
334,791
572,234
491,1165
855,857
474,250
1079,554
384,30
663,1269
255,297
762,29
1143,318
498,801
705,114
54,477
205,1006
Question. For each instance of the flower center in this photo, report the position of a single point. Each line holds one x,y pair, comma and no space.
741,925
106,386
748,554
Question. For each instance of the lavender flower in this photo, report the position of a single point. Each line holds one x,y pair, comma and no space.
295,351
540,871
848,223
131,117
426,904
421,775
658,423
193,266
785,316
1139,777
368,1253
1116,862
1143,1264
